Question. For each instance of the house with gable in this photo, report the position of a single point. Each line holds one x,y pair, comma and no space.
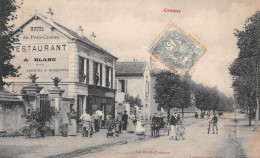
49,49
133,78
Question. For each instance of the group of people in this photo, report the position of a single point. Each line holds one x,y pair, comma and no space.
118,124
174,120
171,124
124,122
90,123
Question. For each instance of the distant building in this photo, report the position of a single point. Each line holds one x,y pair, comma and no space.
133,78
48,49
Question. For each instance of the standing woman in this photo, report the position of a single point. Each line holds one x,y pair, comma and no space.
72,127
131,126
92,118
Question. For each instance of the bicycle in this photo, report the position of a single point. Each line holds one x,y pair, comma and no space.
210,125
180,132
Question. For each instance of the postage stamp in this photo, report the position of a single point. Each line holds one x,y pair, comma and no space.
176,50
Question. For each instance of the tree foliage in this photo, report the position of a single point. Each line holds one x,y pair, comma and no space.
243,69
171,91
7,15
207,98
132,100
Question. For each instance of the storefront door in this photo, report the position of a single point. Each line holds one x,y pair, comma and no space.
80,106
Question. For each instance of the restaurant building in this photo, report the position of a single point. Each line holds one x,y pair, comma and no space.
48,49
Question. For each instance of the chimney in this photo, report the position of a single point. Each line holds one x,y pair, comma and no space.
80,31
50,15
93,36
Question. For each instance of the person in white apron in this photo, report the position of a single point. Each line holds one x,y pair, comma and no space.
139,128
131,127
72,127
86,120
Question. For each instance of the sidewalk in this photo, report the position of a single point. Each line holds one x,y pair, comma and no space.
55,145
249,138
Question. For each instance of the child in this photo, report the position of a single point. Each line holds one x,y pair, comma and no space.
110,124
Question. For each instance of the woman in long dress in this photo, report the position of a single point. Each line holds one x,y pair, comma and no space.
131,126
139,128
72,127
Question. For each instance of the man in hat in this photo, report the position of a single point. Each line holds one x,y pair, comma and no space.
96,124
215,123
124,119
154,118
119,121
175,118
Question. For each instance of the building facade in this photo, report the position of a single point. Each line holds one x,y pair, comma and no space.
133,78
50,50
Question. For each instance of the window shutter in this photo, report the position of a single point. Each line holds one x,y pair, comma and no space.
94,72
119,86
100,75
87,71
126,86
111,84
116,84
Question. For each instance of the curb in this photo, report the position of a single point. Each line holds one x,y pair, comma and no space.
87,150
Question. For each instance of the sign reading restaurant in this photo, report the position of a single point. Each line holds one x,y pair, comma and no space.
40,48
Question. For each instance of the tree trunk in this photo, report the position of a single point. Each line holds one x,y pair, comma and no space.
182,112
250,115
168,114
257,99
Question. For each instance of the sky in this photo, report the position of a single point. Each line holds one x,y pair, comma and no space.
128,28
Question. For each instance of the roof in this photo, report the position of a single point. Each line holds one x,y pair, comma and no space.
66,31
130,68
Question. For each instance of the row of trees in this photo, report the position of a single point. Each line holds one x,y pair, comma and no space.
245,68
172,91
207,98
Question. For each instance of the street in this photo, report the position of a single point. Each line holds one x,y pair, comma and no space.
197,144
235,140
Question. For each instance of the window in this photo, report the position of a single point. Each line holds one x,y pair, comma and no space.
83,70
107,77
82,76
147,88
96,77
121,86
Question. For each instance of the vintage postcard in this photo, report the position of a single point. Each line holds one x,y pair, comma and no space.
139,78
